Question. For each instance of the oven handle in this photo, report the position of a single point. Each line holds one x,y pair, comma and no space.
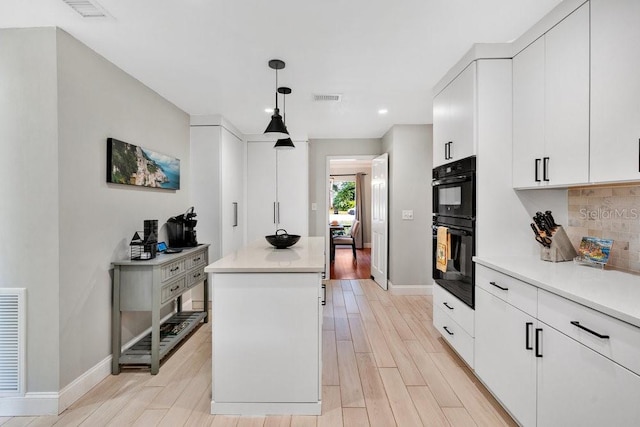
454,231
452,180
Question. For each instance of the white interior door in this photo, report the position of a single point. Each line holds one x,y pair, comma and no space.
379,226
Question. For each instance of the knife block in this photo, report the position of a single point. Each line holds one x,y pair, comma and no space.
561,248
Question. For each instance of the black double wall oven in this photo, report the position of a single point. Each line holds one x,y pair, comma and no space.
454,207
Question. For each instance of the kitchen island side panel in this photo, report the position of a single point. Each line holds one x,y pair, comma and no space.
265,339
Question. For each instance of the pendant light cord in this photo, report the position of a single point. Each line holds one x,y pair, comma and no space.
276,89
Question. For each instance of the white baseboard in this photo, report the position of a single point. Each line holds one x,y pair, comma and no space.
31,404
410,289
85,382
92,377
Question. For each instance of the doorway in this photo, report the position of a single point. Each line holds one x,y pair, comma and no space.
342,210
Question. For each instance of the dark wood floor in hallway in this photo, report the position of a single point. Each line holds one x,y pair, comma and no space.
344,267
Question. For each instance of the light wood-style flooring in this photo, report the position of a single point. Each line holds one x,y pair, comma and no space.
383,365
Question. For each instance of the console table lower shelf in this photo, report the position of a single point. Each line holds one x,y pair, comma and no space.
174,330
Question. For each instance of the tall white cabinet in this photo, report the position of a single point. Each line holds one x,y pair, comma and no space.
615,90
551,106
217,185
277,189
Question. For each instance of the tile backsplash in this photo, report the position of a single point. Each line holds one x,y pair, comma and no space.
611,212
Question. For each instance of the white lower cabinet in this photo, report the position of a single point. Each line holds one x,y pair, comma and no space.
579,387
545,370
454,320
505,356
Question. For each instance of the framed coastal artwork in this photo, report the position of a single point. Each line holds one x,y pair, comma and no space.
134,165
595,250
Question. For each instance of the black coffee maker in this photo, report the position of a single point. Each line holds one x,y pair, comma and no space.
182,230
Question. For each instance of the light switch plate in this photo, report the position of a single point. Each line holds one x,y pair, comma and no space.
407,214
314,206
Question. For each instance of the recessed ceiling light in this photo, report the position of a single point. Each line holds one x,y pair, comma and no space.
268,110
383,111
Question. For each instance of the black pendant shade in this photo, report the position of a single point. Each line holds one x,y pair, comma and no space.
285,142
276,126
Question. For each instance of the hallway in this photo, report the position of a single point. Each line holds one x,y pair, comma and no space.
343,267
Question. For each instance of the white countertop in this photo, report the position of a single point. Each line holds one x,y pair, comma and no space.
260,257
611,292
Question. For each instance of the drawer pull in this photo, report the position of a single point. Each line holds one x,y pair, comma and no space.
324,294
447,305
196,275
447,329
576,323
174,288
498,286
196,259
174,269
538,343
527,332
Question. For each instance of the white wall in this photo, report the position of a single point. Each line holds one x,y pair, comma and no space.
97,100
410,149
29,192
319,149
62,223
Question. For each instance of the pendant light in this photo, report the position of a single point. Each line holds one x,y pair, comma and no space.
285,143
276,125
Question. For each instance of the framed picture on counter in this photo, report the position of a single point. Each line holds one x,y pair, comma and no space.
593,249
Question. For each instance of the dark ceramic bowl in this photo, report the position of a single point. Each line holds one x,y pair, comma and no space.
282,240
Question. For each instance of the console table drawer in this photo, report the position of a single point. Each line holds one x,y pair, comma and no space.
172,270
172,290
195,276
195,260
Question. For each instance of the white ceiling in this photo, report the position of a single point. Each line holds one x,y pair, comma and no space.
210,56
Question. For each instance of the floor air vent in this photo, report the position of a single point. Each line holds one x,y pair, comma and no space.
12,344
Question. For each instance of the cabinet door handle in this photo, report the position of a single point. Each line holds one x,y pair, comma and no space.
450,155
545,169
447,329
498,286
591,331
446,151
527,334
274,213
537,168
278,211
447,305
235,214
324,293
538,342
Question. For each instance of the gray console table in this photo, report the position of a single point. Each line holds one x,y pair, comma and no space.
148,286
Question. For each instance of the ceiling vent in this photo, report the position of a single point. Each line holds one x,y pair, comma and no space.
87,8
332,97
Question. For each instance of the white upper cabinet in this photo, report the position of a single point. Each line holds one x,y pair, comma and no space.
551,106
528,115
615,90
454,119
277,189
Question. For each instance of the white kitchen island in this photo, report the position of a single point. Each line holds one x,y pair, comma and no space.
267,329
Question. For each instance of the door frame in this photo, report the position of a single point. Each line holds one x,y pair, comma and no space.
327,173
